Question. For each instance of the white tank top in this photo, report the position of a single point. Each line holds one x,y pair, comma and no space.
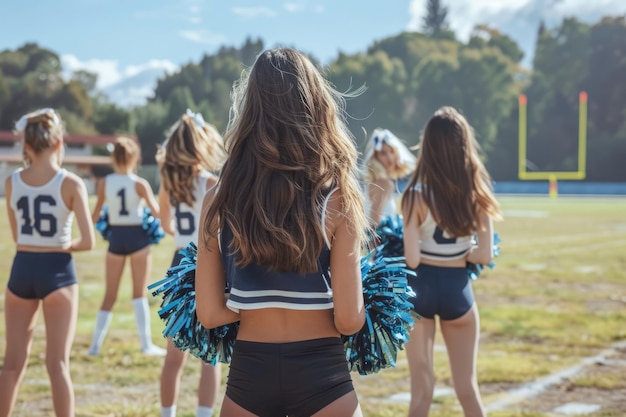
187,218
42,217
436,244
125,206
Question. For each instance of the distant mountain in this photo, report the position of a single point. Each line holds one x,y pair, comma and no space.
136,89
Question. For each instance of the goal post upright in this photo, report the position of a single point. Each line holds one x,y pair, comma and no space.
580,173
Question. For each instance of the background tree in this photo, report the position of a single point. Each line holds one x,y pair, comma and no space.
407,76
435,21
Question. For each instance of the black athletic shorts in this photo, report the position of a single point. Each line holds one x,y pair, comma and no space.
296,379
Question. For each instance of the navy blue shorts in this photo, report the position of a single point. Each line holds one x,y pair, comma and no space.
296,379
125,240
34,275
446,292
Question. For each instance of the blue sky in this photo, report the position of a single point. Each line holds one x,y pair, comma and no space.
119,39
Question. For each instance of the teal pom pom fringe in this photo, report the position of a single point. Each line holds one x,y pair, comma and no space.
178,311
388,315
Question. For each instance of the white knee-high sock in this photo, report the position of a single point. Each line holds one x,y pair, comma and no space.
142,317
204,411
168,411
103,319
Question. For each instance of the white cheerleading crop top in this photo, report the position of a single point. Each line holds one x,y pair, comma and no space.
436,244
186,217
125,206
42,217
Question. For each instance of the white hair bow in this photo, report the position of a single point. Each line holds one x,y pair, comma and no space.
21,124
197,117
380,138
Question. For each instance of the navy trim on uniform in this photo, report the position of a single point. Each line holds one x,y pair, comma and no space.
441,255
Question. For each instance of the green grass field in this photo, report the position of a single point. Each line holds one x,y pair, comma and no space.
556,296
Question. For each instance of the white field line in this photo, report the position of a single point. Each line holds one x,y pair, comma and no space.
531,389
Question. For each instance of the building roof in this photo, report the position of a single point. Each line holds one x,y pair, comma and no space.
6,135
16,158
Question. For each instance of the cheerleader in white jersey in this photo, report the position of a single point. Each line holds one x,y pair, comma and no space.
41,202
126,195
448,200
192,148
386,161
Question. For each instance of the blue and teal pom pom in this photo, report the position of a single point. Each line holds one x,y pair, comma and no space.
178,311
102,225
474,270
152,226
388,317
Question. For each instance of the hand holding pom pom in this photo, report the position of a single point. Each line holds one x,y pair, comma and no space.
474,269
152,226
102,225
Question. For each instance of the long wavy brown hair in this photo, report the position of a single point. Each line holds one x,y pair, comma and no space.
287,148
455,185
188,147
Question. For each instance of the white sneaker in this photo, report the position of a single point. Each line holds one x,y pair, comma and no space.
154,350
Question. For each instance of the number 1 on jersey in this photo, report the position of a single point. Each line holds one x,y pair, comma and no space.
122,194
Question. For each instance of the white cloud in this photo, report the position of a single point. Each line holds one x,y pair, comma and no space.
191,13
132,96
303,6
106,69
202,36
158,64
590,10
294,7
252,12
463,15
128,86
